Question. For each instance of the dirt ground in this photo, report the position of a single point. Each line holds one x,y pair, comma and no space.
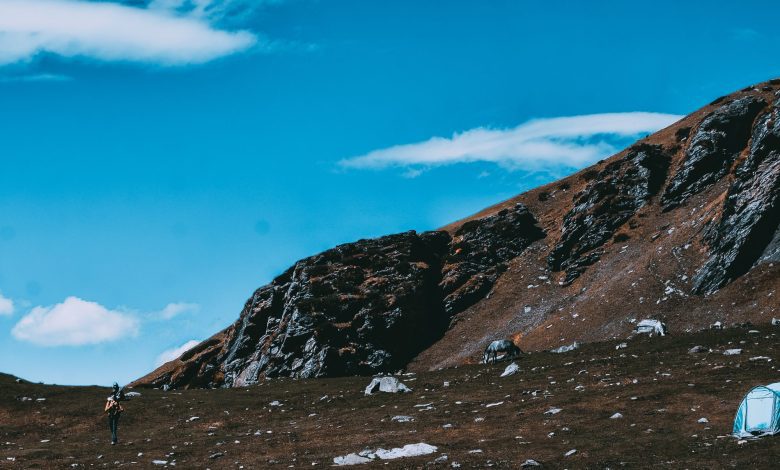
474,417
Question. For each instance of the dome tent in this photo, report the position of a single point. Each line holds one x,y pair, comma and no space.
759,412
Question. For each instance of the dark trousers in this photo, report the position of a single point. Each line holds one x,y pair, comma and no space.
113,424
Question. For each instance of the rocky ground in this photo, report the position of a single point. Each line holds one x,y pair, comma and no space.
559,410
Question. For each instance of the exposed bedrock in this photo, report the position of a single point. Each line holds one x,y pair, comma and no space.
748,228
610,200
715,145
359,308
479,252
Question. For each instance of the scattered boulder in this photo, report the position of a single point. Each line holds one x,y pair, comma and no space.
651,327
530,463
511,369
565,349
402,419
386,384
732,352
697,349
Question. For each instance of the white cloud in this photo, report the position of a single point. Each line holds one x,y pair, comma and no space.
211,9
574,141
74,322
6,306
40,77
174,353
173,309
111,32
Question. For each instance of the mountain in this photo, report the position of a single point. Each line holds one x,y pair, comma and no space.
681,226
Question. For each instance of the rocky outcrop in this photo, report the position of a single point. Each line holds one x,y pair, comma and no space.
715,145
479,252
611,198
361,308
347,311
751,212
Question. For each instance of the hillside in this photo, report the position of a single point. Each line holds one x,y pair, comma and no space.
681,226
471,415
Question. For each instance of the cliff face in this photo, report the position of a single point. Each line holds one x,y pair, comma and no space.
682,225
360,308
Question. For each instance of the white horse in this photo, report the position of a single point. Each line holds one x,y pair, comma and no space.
500,346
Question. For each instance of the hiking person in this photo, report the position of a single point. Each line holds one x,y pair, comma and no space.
114,409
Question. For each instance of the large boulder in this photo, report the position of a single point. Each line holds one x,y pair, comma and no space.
386,384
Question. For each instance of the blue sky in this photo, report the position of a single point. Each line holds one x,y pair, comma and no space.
162,159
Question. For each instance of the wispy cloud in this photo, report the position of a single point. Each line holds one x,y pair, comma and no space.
40,77
573,141
174,353
74,322
109,31
174,309
6,305
213,10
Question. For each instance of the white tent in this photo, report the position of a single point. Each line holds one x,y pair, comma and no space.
759,412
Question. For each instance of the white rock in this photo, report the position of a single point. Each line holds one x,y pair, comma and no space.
402,419
732,352
510,369
567,348
703,420
491,405
570,453
530,463
350,459
386,384
553,411
761,358
621,346
367,455
616,416
159,462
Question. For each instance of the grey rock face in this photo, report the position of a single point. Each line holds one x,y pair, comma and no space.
479,252
358,309
720,137
748,227
609,201
347,311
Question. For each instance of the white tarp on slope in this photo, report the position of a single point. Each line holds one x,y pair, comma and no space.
365,456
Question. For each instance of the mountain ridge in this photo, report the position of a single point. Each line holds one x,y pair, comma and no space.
677,226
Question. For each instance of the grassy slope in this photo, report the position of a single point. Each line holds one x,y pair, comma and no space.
659,427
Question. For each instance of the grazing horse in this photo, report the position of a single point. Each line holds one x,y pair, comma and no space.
500,346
